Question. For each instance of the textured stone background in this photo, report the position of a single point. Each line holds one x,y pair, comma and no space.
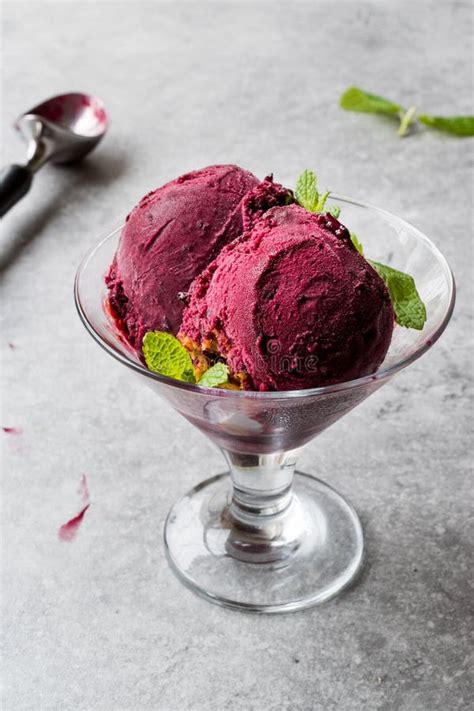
101,623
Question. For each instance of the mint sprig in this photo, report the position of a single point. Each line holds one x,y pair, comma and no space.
165,355
356,99
218,374
307,194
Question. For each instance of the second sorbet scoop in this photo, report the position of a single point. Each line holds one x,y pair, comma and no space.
291,305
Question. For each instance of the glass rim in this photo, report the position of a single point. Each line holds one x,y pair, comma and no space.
380,375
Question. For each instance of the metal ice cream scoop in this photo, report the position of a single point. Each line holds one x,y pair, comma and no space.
63,130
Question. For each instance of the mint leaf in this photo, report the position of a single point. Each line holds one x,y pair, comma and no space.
307,195
321,202
355,99
165,355
218,374
457,125
409,309
306,192
356,243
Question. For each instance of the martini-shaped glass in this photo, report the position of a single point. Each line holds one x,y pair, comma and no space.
263,536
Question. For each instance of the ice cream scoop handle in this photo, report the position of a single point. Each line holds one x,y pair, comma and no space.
15,181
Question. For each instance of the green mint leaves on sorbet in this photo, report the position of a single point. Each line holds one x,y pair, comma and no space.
306,192
356,99
218,374
307,195
165,355
409,309
356,243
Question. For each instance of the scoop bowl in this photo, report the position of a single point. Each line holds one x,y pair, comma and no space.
262,536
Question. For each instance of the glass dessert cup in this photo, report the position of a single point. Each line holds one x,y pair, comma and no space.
262,536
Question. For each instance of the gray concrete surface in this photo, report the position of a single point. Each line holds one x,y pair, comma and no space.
101,623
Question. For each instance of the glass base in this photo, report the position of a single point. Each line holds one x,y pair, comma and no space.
316,547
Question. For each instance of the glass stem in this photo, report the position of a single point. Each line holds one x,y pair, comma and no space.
262,512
